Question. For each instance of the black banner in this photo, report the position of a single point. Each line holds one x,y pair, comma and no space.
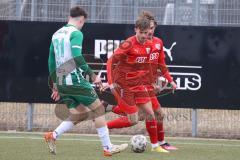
204,61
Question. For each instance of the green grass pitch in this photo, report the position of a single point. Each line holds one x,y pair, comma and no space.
22,146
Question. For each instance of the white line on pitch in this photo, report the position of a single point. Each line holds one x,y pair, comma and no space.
117,135
95,140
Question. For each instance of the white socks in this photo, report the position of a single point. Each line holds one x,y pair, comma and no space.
103,134
161,142
154,145
63,127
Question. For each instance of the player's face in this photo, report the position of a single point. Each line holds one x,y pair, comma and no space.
151,30
80,22
141,35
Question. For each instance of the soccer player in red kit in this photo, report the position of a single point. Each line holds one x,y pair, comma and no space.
156,59
126,69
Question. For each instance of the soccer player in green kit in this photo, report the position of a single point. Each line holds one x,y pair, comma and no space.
66,66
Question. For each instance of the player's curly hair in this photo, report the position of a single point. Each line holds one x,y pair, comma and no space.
148,15
77,11
142,23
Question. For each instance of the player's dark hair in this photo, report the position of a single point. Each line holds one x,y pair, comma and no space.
142,23
148,15
77,12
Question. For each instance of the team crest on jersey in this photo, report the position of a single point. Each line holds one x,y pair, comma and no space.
148,50
158,46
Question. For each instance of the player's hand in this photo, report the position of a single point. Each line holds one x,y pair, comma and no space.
173,85
97,81
114,87
156,87
55,96
105,87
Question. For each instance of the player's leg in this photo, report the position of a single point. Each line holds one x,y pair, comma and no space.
128,105
144,102
98,113
160,129
77,113
151,126
113,108
72,97
129,120
117,110
159,116
108,101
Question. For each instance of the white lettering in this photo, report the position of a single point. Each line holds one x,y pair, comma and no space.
103,47
99,48
184,81
141,59
187,81
154,56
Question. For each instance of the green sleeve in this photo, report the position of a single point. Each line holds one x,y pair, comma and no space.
76,40
52,64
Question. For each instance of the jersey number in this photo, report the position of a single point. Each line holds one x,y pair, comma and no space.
59,47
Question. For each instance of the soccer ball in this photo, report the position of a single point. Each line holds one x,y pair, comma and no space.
138,143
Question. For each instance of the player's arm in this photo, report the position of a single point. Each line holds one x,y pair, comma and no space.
163,68
52,66
52,73
119,54
76,41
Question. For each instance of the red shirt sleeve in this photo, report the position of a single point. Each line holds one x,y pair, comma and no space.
119,54
162,65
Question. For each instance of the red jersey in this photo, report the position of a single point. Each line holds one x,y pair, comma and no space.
131,63
157,61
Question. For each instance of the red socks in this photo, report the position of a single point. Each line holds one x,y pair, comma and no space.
151,126
160,131
120,122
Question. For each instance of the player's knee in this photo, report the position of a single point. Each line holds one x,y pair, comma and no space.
159,115
150,117
133,119
141,118
141,115
78,117
97,112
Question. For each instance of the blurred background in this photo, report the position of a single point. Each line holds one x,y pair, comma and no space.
168,12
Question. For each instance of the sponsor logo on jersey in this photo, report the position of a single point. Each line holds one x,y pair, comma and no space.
153,56
141,59
136,50
148,50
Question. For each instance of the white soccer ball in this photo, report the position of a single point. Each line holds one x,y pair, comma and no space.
138,143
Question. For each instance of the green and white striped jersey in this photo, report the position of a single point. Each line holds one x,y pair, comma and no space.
66,62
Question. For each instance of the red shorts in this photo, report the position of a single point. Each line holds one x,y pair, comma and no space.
130,97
